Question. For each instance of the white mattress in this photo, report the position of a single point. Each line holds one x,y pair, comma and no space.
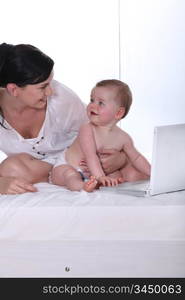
92,259
55,213
94,234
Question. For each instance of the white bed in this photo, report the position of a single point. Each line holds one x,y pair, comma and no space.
59,233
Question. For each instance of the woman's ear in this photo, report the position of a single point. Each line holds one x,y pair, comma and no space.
12,89
120,113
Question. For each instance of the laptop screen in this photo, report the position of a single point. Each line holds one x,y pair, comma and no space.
168,159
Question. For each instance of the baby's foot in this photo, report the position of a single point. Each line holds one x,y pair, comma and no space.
121,180
91,184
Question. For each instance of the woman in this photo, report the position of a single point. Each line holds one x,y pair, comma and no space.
39,118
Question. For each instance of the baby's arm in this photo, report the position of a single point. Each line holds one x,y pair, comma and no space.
136,158
88,146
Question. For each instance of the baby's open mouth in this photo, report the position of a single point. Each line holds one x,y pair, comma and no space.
93,113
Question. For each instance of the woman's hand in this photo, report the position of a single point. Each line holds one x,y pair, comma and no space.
12,186
112,160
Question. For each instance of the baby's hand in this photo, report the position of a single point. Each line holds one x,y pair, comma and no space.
108,181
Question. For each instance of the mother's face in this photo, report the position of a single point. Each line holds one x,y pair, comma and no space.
34,95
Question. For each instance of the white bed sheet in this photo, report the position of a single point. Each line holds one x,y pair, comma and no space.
93,234
54,213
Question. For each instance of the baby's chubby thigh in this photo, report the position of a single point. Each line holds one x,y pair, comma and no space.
129,173
23,165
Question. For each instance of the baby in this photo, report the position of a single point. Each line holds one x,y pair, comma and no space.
110,102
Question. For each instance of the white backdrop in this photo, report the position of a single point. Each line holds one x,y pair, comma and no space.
82,36
153,63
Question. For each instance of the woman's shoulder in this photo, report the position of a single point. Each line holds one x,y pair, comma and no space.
64,104
63,93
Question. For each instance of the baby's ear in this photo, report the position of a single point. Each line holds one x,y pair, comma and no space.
120,113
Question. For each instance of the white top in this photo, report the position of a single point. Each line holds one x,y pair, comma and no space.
64,115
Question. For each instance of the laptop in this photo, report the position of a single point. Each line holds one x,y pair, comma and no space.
167,168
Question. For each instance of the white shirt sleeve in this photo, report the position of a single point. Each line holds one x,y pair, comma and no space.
64,115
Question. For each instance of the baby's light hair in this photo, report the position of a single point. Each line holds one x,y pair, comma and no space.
123,96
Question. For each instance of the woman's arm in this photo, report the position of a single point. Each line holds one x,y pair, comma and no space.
112,160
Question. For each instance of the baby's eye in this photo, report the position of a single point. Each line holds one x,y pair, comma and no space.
101,103
91,100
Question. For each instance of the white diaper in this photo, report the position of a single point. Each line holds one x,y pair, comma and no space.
50,160
61,159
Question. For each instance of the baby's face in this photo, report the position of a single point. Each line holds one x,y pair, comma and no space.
102,108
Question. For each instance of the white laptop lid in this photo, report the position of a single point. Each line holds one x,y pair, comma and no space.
168,159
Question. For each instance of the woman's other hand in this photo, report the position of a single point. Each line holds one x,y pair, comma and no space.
112,160
12,186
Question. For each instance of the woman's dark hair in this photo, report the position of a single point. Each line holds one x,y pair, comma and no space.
23,64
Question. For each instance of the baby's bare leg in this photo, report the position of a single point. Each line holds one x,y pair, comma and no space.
129,173
91,184
66,175
25,166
